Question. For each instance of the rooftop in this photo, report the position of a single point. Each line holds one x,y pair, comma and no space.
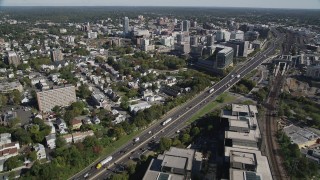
263,168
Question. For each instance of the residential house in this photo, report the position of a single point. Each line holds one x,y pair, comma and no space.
86,120
51,141
5,138
7,151
7,117
76,123
96,120
40,150
68,138
53,129
62,126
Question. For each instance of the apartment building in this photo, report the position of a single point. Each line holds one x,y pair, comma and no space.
60,96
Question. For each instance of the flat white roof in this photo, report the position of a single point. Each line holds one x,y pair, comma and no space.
237,123
242,136
240,108
263,167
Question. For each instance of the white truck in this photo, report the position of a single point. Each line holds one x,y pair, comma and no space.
166,121
136,139
103,162
238,76
211,90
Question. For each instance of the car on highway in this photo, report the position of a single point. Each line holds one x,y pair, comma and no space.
86,175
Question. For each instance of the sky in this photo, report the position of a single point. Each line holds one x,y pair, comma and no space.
297,4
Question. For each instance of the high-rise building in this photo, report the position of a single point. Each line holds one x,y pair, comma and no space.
224,57
60,96
12,58
242,47
222,35
56,55
210,40
180,38
125,25
237,35
185,26
194,40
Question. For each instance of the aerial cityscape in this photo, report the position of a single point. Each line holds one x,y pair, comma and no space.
159,90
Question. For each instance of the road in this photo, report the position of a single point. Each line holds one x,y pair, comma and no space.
179,116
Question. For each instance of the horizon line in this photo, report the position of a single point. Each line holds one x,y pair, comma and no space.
287,8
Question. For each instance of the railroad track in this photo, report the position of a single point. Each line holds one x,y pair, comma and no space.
277,171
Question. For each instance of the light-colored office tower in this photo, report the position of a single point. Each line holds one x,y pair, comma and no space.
56,55
237,35
59,96
222,35
210,40
125,25
13,58
185,26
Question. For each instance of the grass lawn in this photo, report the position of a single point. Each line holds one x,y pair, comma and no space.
123,140
209,107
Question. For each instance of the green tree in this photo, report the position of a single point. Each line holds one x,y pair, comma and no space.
22,136
143,157
3,100
185,138
131,168
16,95
165,143
32,155
12,162
84,91
60,142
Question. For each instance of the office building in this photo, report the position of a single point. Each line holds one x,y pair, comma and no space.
242,143
56,55
125,25
210,40
251,35
177,164
237,35
180,38
92,35
222,35
12,58
167,41
247,164
185,26
239,47
224,58
59,96
194,40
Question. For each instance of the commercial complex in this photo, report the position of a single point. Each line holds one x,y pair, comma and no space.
177,163
224,57
59,96
242,141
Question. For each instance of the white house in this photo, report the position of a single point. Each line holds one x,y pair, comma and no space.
40,150
51,141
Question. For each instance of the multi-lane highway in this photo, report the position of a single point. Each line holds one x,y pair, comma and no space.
179,116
